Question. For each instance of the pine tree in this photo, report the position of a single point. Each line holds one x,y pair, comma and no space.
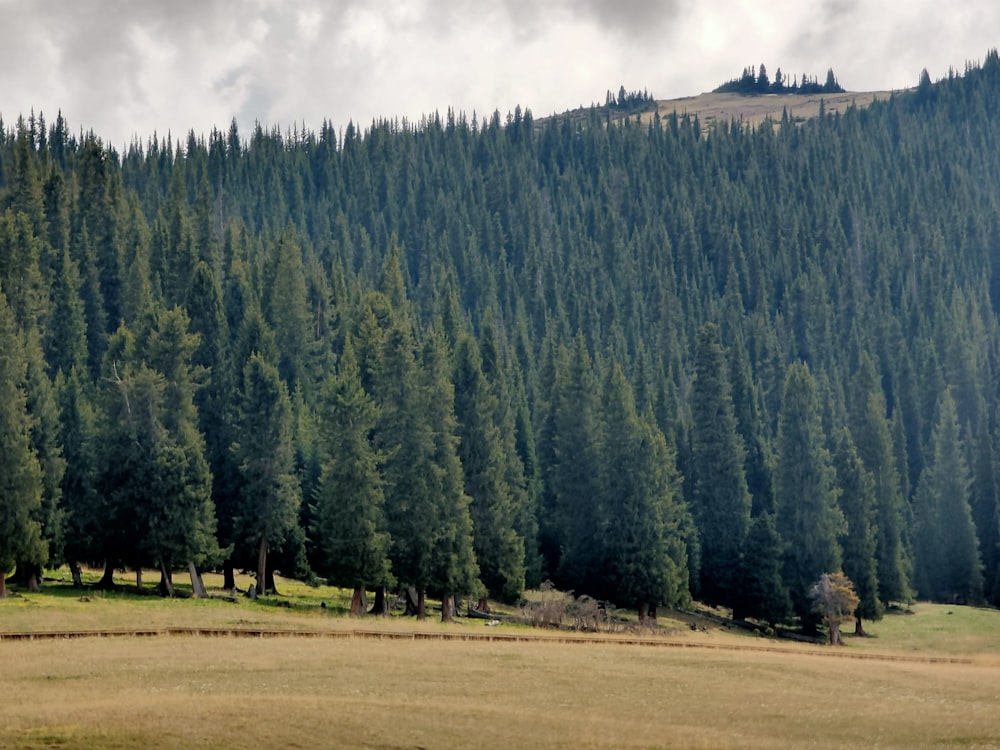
21,482
270,494
404,436
79,422
576,478
288,314
870,430
645,559
948,567
720,500
350,523
499,549
764,593
454,569
858,504
808,519
985,505
46,442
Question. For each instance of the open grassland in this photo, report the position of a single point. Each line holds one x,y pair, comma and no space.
926,679
753,110
359,693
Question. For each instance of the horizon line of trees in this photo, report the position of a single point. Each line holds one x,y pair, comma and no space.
755,80
465,357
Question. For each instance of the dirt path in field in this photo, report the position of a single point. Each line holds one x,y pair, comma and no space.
576,639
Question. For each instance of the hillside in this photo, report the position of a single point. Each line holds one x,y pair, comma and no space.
752,110
460,358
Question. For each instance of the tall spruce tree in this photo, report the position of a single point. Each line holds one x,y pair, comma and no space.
499,548
645,558
454,569
80,436
764,593
808,519
21,480
871,434
858,504
720,501
350,523
270,494
948,567
576,478
404,434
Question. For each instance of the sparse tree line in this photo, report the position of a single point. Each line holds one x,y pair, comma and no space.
464,357
755,80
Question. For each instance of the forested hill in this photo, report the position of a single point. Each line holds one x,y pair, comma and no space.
646,361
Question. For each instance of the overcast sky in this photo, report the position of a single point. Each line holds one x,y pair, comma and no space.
128,68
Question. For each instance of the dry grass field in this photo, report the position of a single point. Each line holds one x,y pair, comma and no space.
753,109
927,679
191,692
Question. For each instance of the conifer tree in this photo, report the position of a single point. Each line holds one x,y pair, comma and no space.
576,478
287,311
66,336
808,519
499,549
645,559
155,478
948,567
985,505
270,494
80,502
46,442
517,436
213,399
858,504
21,481
350,522
871,433
764,593
405,437
720,500
453,566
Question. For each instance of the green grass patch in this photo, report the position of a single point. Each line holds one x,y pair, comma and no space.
934,629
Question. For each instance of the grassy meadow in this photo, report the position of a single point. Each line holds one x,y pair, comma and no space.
926,679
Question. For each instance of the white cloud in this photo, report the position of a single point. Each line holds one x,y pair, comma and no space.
125,68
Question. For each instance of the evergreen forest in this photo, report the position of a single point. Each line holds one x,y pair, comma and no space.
647,361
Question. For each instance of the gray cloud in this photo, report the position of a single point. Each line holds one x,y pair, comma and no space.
125,68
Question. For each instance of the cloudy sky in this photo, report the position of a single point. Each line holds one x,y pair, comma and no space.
129,68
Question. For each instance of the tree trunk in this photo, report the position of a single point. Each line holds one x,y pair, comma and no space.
643,613
859,629
107,582
358,601
166,584
77,574
229,576
197,585
421,605
411,602
34,575
262,567
483,605
269,575
379,606
835,638
447,608
652,615
138,579
3,585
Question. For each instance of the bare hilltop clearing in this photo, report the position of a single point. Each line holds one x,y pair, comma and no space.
750,109
725,107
